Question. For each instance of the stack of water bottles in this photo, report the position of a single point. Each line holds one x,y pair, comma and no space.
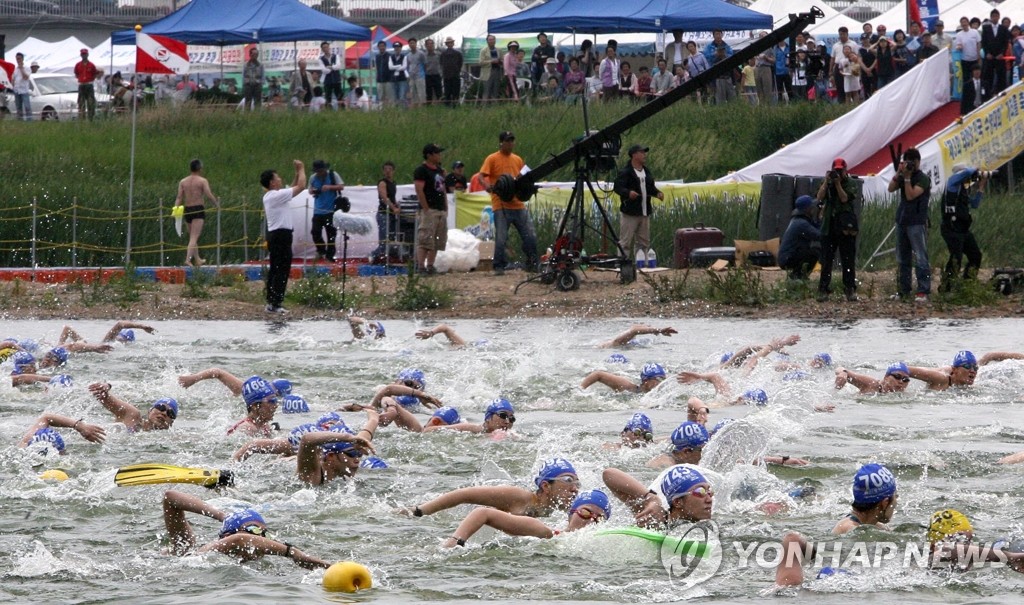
646,260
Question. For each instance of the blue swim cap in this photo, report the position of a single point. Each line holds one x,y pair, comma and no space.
294,404
338,447
447,414
373,462
802,491
651,370
965,359
721,424
824,358
897,366
60,354
640,421
553,468
595,497
481,342
21,359
126,335
295,435
795,375
828,571
50,436
726,357
376,329
283,386
255,389
679,481
406,401
62,380
235,522
498,405
756,396
414,375
29,345
872,484
689,435
329,419
171,405
617,358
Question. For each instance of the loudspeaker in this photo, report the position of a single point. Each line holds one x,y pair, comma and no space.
777,197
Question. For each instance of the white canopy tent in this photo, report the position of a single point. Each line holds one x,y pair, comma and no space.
1014,9
831,25
50,55
950,12
781,9
473,22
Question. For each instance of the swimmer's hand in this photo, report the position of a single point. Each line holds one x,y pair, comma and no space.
352,407
430,401
688,377
187,380
100,390
92,433
825,407
667,331
363,445
787,341
148,329
652,514
424,334
842,378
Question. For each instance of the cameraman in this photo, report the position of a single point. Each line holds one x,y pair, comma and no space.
799,250
963,192
912,226
838,229
324,187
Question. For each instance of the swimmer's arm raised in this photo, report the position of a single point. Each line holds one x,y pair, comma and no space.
402,417
453,338
125,325
263,446
124,412
936,379
232,382
862,382
26,379
85,347
612,381
308,462
68,334
91,432
500,497
995,356
714,378
626,488
513,525
246,545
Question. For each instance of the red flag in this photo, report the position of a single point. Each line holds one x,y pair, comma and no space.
6,74
160,55
913,12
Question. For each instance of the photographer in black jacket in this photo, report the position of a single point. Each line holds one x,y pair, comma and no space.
838,229
963,192
801,243
635,188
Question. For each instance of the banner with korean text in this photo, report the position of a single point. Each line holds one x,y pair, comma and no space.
989,137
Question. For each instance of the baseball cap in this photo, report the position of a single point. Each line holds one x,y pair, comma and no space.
84,51
635,148
897,366
965,359
506,135
640,421
295,435
595,497
170,404
256,389
60,354
235,522
755,396
430,148
62,380
551,61
319,165
458,164
329,419
34,64
449,39
839,164
498,405
49,436
689,435
679,481
946,523
802,203
447,414
294,404
651,370
126,335
939,23
283,386
617,358
413,375
872,484
373,462
553,468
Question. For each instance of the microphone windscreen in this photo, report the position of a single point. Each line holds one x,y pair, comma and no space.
357,225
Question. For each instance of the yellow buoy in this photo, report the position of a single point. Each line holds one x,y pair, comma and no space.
54,474
347,576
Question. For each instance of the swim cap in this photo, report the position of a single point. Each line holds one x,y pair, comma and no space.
756,396
498,405
171,405
872,484
964,359
595,497
617,358
47,435
29,345
376,329
724,422
295,435
62,380
255,390
689,435
553,468
795,375
824,358
373,462
829,571
282,386
406,401
679,481
126,335
447,414
946,523
330,419
294,404
415,375
725,357
339,447
60,354
651,370
898,366
640,421
235,522
481,342
21,359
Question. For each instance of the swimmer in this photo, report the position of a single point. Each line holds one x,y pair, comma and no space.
453,337
739,358
651,375
328,455
557,485
54,358
625,339
723,391
688,441
122,331
697,411
25,371
161,415
874,499
820,361
680,493
638,432
896,379
42,431
722,388
288,446
499,416
243,535
961,374
362,328
232,382
402,418
260,404
589,507
995,356
407,390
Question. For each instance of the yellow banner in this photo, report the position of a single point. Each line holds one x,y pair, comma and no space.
988,138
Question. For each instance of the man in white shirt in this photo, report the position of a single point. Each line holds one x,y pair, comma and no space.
279,231
837,53
675,51
968,42
22,85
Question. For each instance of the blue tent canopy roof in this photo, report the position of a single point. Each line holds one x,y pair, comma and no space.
220,22
614,16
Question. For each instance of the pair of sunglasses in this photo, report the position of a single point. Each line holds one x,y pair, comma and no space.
166,409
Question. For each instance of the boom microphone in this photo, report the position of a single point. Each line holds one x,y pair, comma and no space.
357,225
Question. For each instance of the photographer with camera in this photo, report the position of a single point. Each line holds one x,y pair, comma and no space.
324,186
838,230
963,192
912,226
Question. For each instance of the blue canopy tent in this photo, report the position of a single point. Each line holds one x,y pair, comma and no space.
223,22
613,16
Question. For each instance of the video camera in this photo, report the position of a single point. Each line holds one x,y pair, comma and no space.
602,158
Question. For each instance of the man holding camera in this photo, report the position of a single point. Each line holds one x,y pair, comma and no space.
838,230
912,226
324,186
963,192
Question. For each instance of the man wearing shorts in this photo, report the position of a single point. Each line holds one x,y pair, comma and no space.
192,191
433,216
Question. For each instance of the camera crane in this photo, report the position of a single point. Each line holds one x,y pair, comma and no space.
596,149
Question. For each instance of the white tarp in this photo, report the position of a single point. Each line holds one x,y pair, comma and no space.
830,26
1014,9
781,9
950,12
49,55
473,22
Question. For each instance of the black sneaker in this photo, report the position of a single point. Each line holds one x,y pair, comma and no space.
851,295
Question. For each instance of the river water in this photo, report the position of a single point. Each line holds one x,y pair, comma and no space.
86,540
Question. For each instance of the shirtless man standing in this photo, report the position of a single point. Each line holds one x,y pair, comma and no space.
192,190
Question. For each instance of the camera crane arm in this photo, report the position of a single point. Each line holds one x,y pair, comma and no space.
524,186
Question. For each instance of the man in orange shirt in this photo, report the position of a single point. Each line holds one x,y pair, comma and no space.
513,212
86,73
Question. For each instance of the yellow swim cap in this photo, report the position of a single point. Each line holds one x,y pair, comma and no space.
946,523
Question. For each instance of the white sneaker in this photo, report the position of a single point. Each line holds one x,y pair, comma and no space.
276,310
921,297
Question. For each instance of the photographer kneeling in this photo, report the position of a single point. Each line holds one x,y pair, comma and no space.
838,229
963,192
801,243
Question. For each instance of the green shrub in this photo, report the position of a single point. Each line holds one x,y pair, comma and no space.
418,294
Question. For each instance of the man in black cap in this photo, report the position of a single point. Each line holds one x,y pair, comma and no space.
635,188
86,74
456,179
513,212
432,234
